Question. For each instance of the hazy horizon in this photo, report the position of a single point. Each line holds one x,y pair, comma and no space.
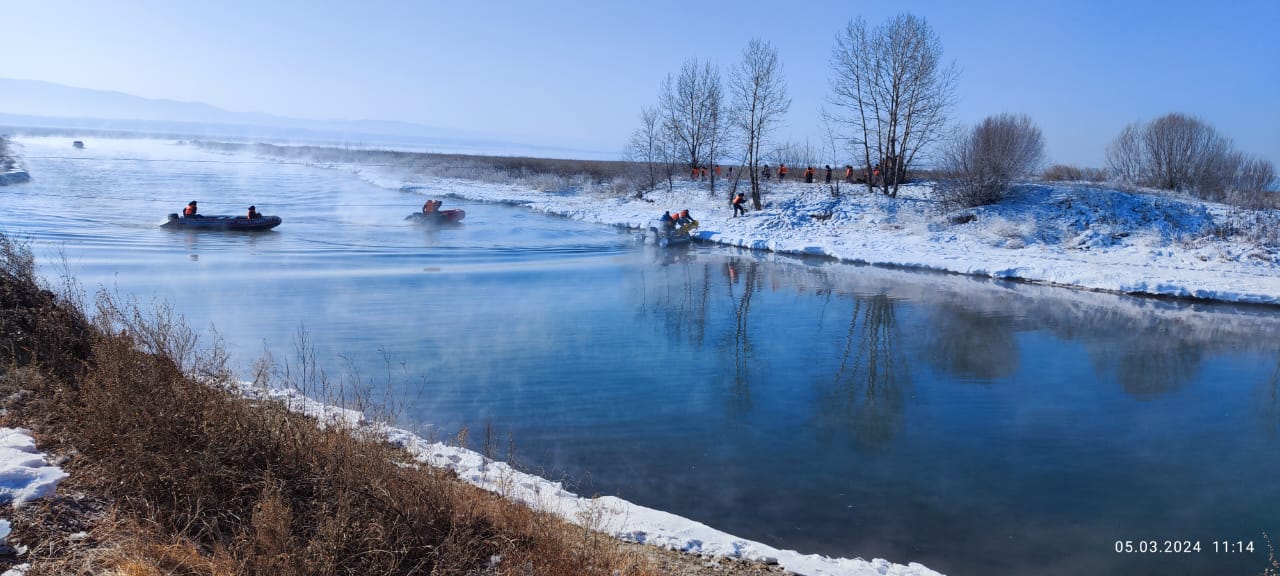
576,75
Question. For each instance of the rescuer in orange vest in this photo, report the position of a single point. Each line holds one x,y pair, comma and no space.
739,202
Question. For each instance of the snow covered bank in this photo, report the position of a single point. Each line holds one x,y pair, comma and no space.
606,514
25,475
1067,235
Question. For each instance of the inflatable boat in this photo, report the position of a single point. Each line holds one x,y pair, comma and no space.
221,223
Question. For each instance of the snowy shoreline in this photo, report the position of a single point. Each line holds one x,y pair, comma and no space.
1066,235
606,514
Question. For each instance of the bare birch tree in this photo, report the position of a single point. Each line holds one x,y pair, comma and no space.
690,107
759,103
892,92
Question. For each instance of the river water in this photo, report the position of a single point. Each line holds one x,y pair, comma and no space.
974,426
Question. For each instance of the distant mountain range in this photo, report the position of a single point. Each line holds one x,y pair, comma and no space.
45,105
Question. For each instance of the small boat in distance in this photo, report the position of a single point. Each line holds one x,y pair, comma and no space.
443,217
78,145
176,222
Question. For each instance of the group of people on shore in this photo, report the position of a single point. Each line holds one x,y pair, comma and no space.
701,172
874,174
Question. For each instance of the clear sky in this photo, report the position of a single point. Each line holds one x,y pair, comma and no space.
577,73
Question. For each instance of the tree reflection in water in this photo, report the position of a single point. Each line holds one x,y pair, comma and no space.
972,345
868,393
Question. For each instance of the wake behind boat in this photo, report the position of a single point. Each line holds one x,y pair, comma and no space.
221,222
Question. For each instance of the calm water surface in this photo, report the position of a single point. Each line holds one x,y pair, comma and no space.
973,426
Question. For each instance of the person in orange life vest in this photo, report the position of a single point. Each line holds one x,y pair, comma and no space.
717,170
191,211
253,213
808,175
694,174
431,207
684,218
848,173
782,171
739,205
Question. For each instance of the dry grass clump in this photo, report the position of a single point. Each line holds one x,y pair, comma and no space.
1072,173
201,480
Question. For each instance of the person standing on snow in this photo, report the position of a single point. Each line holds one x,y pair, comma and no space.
739,205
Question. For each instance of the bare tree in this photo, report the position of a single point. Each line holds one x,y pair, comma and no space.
759,103
983,162
1183,153
892,92
1124,155
690,107
795,154
649,147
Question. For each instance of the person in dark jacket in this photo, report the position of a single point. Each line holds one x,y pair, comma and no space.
191,211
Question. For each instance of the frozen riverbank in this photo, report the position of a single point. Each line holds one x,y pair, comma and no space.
1068,235
607,514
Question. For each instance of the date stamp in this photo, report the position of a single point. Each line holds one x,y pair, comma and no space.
1184,547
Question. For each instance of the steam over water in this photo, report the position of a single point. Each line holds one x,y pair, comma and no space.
972,426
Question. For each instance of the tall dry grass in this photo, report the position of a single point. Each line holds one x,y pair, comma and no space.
202,480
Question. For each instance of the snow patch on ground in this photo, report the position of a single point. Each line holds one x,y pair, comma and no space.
25,475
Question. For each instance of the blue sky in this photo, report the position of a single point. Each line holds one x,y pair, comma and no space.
577,73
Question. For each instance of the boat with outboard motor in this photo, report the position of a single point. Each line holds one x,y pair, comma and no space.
665,234
438,218
244,223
